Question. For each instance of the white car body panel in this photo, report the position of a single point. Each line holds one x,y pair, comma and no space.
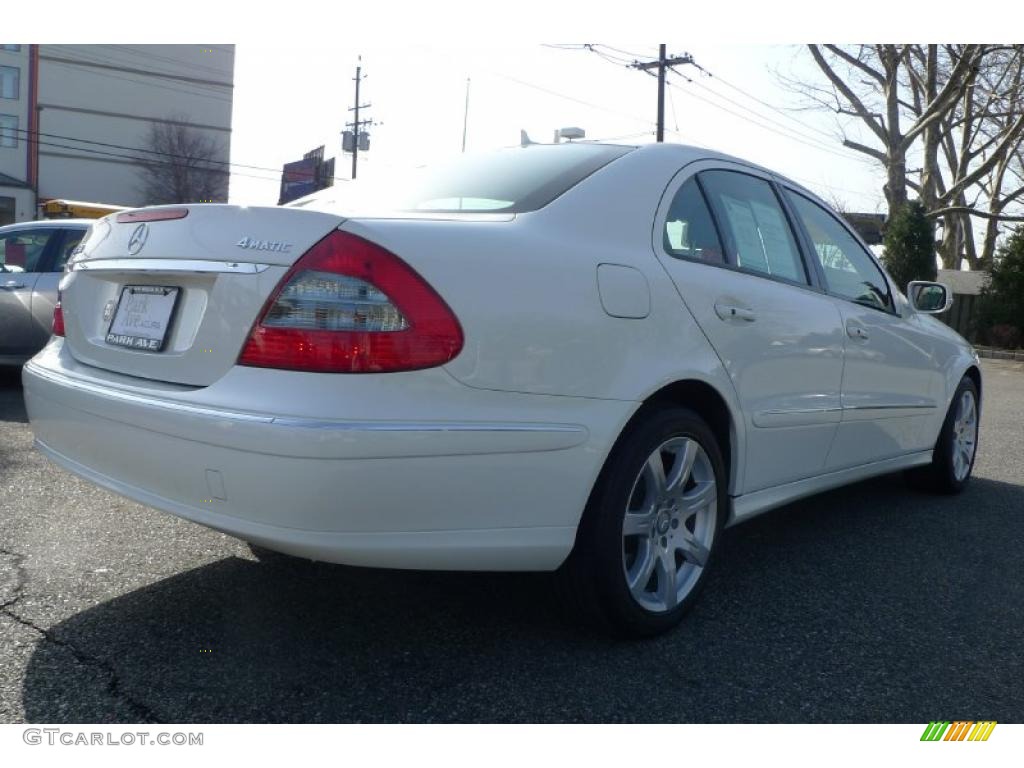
786,365
571,323
201,253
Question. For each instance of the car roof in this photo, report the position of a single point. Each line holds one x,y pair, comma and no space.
685,153
48,224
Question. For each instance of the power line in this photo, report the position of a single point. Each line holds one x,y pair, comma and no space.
619,50
128,50
30,134
661,64
97,60
571,98
788,134
611,58
142,160
92,70
810,140
771,107
103,59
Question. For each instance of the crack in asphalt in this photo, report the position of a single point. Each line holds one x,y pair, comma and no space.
114,686
20,577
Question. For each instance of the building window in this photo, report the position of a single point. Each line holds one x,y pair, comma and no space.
8,131
9,81
14,48
6,211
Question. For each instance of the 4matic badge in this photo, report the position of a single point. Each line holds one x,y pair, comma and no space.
254,244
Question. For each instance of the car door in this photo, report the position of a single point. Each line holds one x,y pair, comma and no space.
44,295
892,382
22,253
724,238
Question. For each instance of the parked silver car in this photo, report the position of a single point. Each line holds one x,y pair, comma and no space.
32,257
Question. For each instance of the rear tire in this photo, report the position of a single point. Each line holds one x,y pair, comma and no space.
957,446
647,536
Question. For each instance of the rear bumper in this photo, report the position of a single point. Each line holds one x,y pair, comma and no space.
475,493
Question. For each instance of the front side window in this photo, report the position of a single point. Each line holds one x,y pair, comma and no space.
689,229
9,47
10,78
22,251
8,131
849,272
754,225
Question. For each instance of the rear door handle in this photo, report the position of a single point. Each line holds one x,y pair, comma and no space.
12,285
727,311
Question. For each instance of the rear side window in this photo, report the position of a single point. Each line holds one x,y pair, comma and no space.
757,233
689,229
72,239
849,272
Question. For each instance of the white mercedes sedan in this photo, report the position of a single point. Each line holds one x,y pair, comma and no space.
584,358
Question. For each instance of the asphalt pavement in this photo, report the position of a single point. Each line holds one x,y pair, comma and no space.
873,603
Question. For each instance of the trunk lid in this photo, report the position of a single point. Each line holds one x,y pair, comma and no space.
199,282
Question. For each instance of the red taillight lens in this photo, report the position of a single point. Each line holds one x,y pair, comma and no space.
349,306
58,320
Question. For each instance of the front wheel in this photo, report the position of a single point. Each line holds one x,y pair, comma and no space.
647,536
957,446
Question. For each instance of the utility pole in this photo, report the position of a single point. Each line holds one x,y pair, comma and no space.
357,124
661,64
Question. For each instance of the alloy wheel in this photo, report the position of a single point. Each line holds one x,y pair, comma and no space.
669,524
965,435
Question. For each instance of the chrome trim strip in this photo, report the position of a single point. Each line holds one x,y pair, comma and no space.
167,265
788,411
425,426
887,407
298,422
777,418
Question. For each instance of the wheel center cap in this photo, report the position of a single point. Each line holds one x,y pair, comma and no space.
663,523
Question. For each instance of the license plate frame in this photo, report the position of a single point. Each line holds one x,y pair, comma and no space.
161,312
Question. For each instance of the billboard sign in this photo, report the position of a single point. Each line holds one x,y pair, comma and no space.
297,180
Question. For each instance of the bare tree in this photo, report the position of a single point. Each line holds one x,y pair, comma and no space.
864,82
958,110
182,165
971,160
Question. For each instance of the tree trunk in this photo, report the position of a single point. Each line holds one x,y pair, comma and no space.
896,182
988,247
970,247
949,248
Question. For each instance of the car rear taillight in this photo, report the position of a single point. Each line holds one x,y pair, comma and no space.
349,306
58,318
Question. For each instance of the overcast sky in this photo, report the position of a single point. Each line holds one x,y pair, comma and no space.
290,99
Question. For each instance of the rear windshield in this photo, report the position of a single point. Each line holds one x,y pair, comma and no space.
506,181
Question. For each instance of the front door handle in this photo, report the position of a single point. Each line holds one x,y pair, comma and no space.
12,285
857,332
728,311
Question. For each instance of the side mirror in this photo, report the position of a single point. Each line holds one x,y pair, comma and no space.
929,298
